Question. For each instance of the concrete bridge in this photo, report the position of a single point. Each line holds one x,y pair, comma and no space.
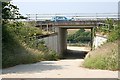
82,22
61,29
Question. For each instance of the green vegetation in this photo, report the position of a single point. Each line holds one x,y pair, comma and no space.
113,35
105,57
80,37
19,42
20,45
110,28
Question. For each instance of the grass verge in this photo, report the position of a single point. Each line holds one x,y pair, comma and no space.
105,57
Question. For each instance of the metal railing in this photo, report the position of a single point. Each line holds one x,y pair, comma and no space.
76,16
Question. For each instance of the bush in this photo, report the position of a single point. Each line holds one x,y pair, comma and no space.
79,37
113,35
20,45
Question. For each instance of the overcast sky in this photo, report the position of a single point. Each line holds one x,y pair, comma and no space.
66,6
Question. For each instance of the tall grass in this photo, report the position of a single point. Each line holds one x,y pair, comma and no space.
20,45
103,60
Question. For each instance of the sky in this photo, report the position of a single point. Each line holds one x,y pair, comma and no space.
66,0
66,6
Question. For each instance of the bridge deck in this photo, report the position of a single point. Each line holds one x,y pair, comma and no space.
68,23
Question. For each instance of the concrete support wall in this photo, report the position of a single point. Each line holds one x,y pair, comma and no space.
51,42
57,42
99,40
62,40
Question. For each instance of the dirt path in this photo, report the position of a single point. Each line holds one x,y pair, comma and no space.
78,48
67,68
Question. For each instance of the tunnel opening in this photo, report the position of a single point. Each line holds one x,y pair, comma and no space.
78,43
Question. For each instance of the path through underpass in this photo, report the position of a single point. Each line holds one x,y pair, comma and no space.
65,68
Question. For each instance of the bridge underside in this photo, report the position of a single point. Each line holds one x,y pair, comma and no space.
76,27
62,36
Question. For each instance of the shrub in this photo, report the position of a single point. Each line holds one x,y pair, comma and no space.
20,45
113,35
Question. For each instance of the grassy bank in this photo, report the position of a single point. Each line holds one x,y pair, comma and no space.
20,45
105,57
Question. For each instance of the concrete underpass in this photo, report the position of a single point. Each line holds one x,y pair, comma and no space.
62,42
61,29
